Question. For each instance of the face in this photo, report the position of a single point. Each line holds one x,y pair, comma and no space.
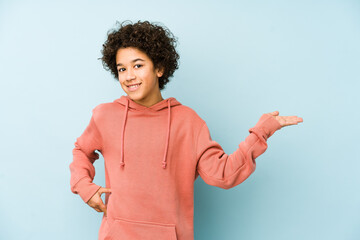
137,76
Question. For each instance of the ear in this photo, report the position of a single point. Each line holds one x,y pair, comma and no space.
159,71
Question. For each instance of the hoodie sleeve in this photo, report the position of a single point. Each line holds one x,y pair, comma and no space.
226,171
82,169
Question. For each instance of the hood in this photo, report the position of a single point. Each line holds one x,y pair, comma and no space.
128,103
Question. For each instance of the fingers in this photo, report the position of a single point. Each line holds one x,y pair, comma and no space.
294,119
289,120
102,208
96,202
286,120
98,205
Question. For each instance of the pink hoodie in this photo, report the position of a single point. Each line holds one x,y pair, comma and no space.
152,157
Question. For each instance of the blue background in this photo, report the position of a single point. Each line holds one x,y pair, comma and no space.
238,60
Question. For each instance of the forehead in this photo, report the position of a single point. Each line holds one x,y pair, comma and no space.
129,54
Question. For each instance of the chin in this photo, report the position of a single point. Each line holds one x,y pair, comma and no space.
135,96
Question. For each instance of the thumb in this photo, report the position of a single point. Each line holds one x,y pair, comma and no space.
275,113
104,190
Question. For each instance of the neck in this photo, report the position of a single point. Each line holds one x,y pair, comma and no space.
151,101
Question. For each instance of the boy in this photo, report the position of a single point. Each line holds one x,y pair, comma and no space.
154,148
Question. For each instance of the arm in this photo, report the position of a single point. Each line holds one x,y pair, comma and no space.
82,169
226,171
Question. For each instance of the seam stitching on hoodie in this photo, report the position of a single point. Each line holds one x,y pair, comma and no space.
93,193
75,185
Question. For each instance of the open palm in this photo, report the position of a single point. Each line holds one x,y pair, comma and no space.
286,120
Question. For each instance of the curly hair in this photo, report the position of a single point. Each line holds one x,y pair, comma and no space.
154,40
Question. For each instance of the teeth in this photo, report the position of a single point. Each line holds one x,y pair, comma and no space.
134,86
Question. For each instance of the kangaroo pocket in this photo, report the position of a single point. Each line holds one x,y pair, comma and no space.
126,229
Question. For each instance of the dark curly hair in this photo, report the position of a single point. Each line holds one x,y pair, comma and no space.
155,40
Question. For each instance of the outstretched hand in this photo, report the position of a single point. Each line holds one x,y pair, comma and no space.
96,202
286,120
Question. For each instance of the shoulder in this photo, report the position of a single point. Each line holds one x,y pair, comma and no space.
189,114
104,109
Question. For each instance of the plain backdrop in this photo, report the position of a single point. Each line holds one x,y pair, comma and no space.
238,60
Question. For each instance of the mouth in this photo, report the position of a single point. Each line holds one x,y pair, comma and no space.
133,87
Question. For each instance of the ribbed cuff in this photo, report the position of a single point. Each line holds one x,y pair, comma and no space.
266,126
86,189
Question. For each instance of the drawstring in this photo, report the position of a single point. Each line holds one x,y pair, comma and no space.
167,136
164,163
122,135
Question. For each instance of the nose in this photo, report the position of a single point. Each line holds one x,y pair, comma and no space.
130,75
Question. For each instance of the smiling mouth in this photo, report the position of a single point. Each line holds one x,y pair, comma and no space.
134,86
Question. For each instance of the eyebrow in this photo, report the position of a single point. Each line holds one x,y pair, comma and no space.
137,59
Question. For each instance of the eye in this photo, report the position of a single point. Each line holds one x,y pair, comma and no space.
138,65
120,69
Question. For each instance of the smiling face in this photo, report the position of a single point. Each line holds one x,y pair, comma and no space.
138,77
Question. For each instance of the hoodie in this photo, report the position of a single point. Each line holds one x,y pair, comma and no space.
152,157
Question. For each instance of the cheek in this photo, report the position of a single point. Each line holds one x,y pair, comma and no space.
122,83
121,79
145,73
